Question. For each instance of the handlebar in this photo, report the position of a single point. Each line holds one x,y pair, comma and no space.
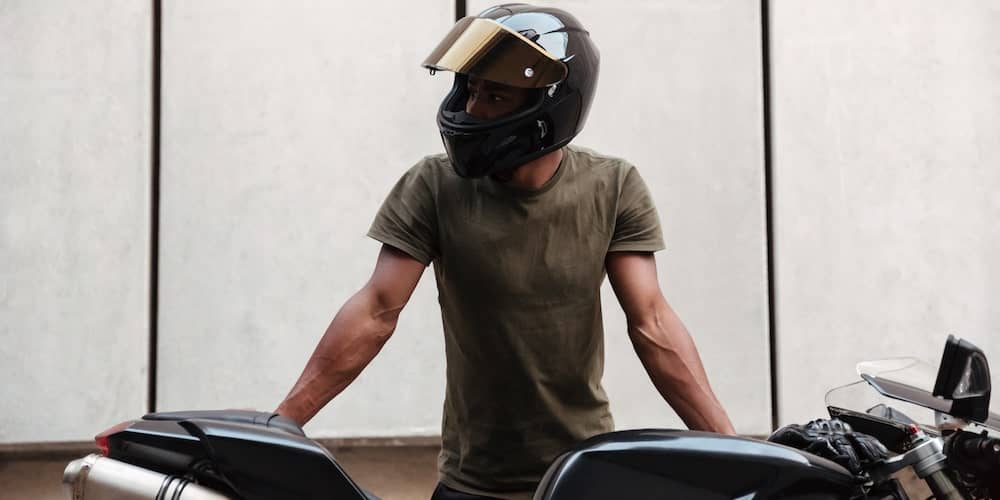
981,448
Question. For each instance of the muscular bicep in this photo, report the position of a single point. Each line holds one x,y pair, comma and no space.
392,282
634,280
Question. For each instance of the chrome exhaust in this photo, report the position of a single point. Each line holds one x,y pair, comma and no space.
94,477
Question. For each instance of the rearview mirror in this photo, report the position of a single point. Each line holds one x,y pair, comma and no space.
964,378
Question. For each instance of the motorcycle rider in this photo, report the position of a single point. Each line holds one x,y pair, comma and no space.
521,228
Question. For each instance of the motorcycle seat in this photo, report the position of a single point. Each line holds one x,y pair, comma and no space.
264,419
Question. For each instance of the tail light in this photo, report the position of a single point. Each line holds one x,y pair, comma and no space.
102,438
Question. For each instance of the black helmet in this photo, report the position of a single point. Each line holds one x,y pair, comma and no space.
521,46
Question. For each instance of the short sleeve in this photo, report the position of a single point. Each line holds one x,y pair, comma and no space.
407,219
637,225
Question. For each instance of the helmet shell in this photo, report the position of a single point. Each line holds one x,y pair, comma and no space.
478,148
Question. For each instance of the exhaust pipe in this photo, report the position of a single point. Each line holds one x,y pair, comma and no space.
94,477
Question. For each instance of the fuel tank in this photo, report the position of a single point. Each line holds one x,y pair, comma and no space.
690,465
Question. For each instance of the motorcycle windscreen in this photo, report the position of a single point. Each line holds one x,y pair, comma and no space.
894,388
489,50
911,380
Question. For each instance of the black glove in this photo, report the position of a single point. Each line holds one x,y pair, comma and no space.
834,440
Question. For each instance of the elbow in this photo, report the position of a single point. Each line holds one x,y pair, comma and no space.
382,316
650,332
650,340
380,327
660,338
381,330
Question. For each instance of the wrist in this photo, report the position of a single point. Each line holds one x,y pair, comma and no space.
292,412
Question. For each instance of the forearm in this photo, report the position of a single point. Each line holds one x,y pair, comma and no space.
671,359
354,337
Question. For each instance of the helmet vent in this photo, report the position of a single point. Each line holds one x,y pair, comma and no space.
530,34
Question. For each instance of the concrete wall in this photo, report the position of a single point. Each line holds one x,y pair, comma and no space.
74,216
886,146
283,130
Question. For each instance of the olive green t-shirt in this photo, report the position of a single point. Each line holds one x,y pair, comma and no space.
519,275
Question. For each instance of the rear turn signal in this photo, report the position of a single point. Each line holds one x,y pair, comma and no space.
102,438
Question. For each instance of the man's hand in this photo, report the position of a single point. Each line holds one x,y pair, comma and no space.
355,335
834,440
663,344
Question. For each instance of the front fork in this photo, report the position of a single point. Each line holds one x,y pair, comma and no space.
927,458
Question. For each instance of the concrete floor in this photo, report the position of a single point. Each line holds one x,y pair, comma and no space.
392,473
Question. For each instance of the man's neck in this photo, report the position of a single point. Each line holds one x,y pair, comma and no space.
534,174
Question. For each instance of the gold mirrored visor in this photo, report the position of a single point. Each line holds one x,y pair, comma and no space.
489,50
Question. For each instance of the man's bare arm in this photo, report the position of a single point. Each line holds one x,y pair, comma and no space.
663,344
356,334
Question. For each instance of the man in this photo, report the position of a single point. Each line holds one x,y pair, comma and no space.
521,229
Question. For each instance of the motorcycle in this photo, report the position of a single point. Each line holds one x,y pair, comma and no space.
946,436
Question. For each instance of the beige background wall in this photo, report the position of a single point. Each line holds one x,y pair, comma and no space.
886,147
74,216
283,131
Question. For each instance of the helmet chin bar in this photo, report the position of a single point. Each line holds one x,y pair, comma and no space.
463,118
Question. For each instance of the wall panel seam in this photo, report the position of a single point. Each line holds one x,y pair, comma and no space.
765,46
154,239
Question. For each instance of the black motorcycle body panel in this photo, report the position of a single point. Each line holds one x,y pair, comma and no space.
161,446
657,464
249,454
264,464
254,457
